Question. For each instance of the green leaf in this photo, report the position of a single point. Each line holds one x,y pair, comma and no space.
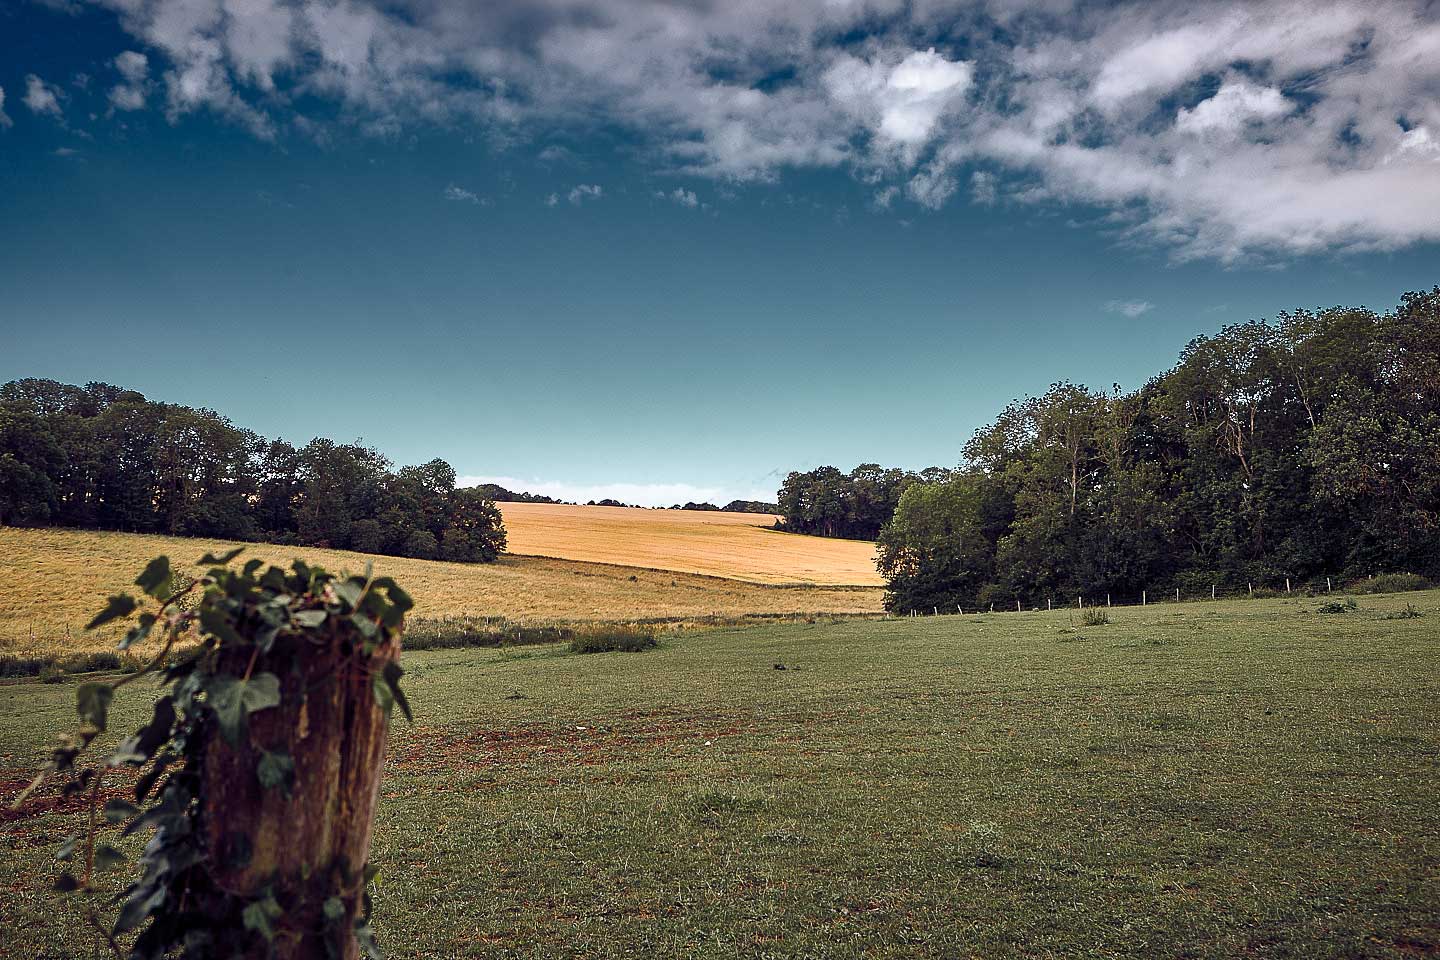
275,770
139,632
92,703
211,559
233,700
365,936
117,810
155,579
214,622
261,915
108,857
120,605
310,619
386,685
334,909
349,591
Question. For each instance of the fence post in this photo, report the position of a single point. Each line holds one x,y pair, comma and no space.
1081,601
1142,598
1327,584
1287,584
1107,599
1177,594
1049,604
1017,605
937,611
1212,591
1252,591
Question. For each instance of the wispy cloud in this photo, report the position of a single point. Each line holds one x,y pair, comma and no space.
1129,308
685,198
585,191
1218,129
457,194
5,121
42,97
640,494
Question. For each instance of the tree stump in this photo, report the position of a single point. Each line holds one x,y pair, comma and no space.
310,842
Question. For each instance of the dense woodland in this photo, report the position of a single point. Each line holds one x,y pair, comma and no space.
102,457
855,505
1299,448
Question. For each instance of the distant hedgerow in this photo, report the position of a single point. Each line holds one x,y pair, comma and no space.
613,640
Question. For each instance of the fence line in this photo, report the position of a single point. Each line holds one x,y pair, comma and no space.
1217,593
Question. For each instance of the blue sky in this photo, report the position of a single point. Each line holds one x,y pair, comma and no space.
669,252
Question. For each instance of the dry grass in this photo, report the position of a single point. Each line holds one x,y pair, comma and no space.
736,545
54,580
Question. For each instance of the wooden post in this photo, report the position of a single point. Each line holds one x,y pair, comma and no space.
1143,598
1287,584
310,843
937,611
1049,604
1017,605
1107,599
1177,594
1212,591
1081,601
1252,591
1327,584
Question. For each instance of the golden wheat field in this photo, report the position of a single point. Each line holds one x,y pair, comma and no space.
54,580
737,545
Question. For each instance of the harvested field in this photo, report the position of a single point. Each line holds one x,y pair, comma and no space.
55,579
737,545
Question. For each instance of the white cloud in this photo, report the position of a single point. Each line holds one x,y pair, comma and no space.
1320,135
552,199
42,97
640,494
1234,105
901,102
686,198
1129,308
983,188
585,191
5,121
461,195
134,68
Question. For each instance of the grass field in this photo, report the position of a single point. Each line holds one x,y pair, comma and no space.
54,579
737,545
1192,780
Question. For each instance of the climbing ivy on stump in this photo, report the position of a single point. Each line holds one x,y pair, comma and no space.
259,766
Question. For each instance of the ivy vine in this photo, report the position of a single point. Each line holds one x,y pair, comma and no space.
269,620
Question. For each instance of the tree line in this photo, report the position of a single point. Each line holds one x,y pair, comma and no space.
1296,448
827,503
102,457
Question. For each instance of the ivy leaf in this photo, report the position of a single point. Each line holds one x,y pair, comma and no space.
155,578
215,623
386,685
144,900
310,619
261,915
211,559
120,605
139,632
365,936
276,770
117,810
92,703
107,857
233,700
349,591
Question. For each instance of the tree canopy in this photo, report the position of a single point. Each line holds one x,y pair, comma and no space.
102,457
1297,448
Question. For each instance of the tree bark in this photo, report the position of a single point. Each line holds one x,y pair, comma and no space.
309,843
